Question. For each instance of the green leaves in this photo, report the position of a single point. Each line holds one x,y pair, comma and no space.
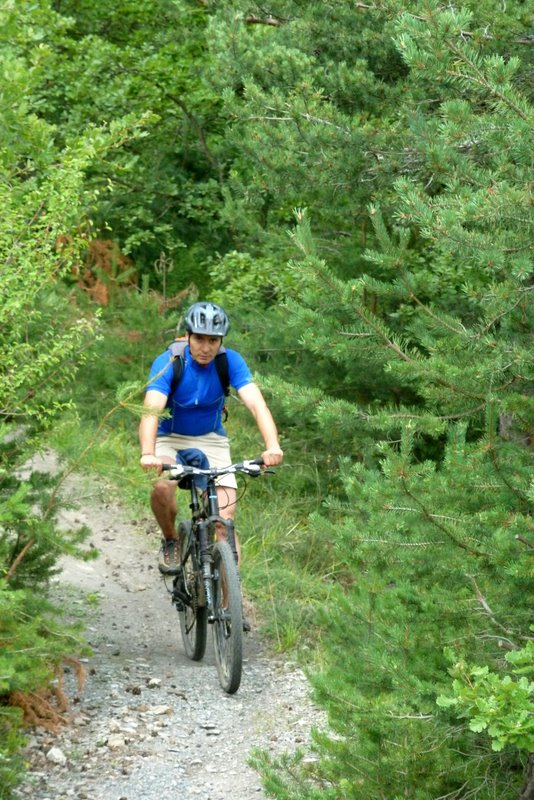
499,705
45,197
159,190
392,328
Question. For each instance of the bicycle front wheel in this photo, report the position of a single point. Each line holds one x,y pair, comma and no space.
193,615
228,618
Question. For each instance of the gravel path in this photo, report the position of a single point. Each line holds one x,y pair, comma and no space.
149,723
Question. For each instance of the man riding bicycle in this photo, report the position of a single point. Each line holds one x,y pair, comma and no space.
196,407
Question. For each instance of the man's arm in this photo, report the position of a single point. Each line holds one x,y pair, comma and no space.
255,402
148,427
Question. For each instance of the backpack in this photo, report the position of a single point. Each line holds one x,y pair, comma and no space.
177,350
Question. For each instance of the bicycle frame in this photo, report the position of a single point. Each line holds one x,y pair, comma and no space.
206,588
204,517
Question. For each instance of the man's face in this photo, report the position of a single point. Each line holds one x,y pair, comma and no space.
204,348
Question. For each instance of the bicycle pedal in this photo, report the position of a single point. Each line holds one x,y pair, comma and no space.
169,571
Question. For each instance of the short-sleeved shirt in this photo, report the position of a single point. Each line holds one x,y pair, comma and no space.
197,405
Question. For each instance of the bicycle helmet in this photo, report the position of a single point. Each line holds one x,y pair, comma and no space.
206,318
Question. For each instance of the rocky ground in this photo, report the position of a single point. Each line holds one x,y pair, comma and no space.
149,723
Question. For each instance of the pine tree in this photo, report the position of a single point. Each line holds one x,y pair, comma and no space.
435,525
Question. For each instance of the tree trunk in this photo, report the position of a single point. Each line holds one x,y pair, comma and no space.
528,789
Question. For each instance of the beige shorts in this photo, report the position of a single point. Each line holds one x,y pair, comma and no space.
215,446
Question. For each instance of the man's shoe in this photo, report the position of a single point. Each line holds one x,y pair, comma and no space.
169,560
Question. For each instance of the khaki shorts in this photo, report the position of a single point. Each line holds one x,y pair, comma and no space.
215,446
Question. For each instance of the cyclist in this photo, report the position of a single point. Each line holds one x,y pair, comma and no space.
196,410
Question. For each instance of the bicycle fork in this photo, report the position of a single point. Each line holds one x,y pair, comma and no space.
207,566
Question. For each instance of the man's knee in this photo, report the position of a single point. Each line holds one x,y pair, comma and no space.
227,498
163,493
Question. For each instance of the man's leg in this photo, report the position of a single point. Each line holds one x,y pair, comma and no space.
163,504
227,497
164,508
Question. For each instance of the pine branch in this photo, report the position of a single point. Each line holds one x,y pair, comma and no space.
373,323
481,80
417,717
253,19
20,557
430,517
486,607
461,331
445,517
392,345
444,417
489,325
502,641
515,491
398,544
524,541
311,118
528,39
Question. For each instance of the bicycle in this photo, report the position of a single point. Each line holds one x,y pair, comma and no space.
206,587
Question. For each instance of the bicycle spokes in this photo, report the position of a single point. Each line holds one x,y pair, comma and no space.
227,618
192,613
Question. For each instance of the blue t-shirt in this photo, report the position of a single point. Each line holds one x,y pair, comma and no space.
198,402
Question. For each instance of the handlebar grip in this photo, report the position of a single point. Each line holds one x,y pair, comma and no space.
258,461
167,467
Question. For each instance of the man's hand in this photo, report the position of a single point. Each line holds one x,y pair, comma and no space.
273,456
151,462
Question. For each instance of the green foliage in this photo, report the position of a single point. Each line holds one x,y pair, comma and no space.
147,60
432,412
253,282
34,637
117,362
391,332
303,94
438,565
30,541
500,705
11,762
33,642
45,198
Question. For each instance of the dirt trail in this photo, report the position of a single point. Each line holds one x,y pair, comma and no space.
149,723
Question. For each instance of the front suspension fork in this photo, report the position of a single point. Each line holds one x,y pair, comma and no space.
207,562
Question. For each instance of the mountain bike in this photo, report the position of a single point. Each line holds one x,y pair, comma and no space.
205,587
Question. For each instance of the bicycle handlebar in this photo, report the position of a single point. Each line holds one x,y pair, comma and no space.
250,467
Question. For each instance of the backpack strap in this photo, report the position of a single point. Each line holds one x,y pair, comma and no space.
177,351
221,365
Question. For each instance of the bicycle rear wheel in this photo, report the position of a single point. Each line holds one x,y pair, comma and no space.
228,618
194,615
